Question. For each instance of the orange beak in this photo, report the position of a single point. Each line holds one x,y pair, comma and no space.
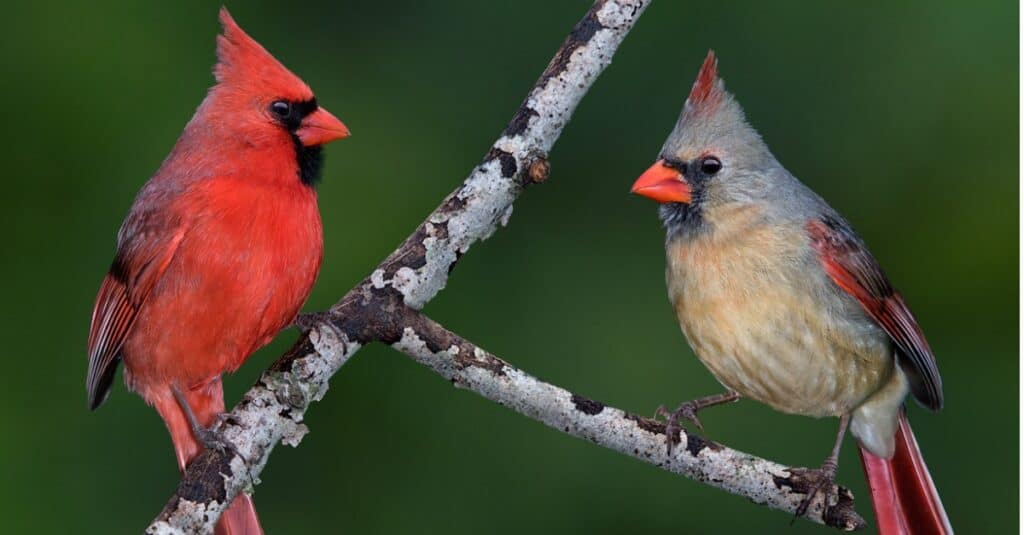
663,184
320,127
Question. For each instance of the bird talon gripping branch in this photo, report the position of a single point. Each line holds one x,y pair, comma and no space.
210,437
688,410
213,440
822,481
672,427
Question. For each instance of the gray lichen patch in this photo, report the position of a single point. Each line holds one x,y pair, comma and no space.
188,517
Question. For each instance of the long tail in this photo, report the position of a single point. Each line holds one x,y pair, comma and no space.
207,402
239,519
902,492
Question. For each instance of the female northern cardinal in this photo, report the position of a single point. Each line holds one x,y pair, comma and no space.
784,304
219,251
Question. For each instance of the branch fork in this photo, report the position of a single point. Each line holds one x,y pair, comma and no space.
385,308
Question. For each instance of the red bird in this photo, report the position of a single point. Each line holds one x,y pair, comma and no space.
219,251
782,301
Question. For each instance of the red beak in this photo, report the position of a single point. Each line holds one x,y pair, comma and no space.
663,184
321,127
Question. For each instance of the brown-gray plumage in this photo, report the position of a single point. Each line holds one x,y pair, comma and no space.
775,292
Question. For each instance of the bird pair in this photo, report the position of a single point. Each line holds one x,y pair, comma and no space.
775,292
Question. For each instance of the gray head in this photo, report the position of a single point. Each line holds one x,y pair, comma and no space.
712,162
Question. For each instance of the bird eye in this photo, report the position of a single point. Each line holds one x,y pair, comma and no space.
710,165
281,109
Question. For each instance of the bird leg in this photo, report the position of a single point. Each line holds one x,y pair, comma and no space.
688,410
209,437
824,478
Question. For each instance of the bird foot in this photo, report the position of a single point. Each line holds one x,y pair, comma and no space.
212,439
209,437
821,480
311,320
686,411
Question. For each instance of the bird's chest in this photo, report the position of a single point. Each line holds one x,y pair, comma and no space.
244,268
265,254
752,307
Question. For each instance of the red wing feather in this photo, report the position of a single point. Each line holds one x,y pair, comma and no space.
140,261
112,317
850,265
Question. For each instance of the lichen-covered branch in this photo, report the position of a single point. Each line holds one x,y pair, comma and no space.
272,411
419,268
762,481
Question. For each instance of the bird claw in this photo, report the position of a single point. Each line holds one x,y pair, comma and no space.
686,410
820,480
209,437
212,439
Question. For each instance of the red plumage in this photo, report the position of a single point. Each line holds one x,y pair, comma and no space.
220,249
902,492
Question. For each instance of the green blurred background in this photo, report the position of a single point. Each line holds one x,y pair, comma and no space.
903,115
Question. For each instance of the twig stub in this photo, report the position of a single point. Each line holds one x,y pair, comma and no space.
538,170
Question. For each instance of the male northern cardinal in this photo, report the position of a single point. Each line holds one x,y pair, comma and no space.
219,251
782,301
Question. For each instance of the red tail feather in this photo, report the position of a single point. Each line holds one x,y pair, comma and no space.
902,492
239,519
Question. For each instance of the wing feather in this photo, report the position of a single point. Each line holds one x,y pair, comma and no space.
145,249
850,265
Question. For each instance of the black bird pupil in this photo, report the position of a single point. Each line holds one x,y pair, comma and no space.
710,166
281,108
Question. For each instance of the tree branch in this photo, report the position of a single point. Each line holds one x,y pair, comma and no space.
761,481
384,308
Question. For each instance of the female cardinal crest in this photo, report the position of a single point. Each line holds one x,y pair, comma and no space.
707,91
